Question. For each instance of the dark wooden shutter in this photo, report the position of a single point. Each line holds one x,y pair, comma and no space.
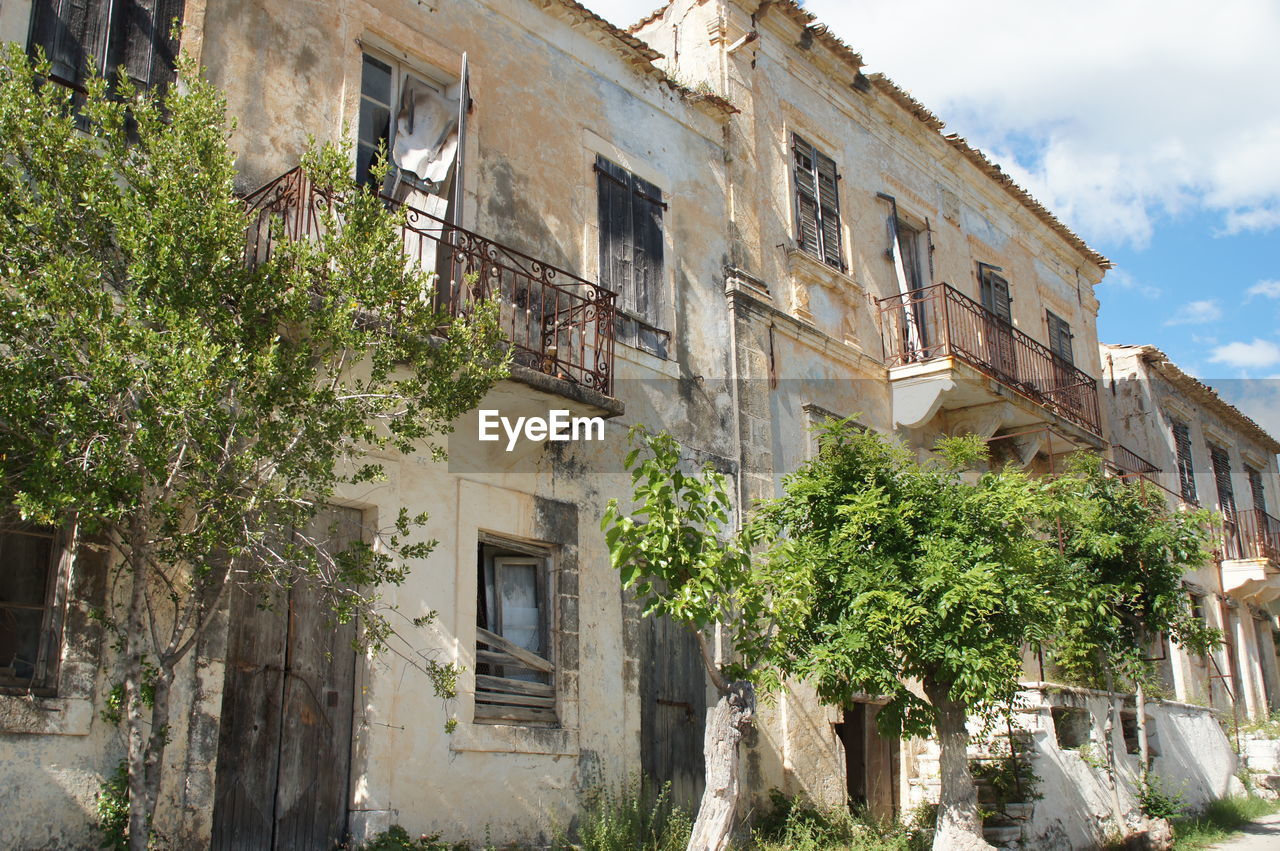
1059,336
1222,480
1186,472
145,47
73,36
829,209
995,295
807,233
1256,489
646,218
81,37
617,248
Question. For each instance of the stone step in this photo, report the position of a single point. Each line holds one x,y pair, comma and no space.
1002,835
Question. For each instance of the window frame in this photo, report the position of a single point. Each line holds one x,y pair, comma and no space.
44,679
537,704
397,71
826,216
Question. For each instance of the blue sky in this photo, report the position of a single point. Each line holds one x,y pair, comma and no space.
1151,127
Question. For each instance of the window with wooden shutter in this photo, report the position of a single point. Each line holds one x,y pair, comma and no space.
1186,471
82,38
514,672
995,293
31,593
1255,488
631,253
1222,481
817,203
1059,336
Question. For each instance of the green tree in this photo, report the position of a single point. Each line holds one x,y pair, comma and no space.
1125,553
677,549
162,398
917,581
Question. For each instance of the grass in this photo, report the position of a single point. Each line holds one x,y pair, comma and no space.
796,825
1221,820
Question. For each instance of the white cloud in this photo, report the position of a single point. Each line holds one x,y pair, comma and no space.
1196,313
1079,103
1122,280
1257,218
1268,289
1259,354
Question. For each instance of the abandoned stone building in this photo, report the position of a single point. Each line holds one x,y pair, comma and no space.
713,223
1199,450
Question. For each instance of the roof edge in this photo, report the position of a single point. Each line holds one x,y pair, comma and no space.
988,167
1200,391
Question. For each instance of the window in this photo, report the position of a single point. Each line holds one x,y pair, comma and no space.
30,606
817,203
416,119
1256,489
909,243
81,38
1059,336
1222,481
631,263
514,674
1186,472
995,292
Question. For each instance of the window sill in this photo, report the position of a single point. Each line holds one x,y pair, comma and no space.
481,737
52,716
806,268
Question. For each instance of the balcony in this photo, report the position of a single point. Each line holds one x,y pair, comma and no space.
1251,555
560,326
945,351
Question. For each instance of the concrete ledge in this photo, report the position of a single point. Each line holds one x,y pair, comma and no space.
607,406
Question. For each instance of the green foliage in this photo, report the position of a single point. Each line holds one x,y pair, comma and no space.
113,711
1220,820
1156,801
113,809
1011,777
1125,554
794,824
180,404
396,838
635,817
675,547
884,570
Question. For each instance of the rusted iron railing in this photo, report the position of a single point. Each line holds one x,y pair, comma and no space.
939,321
557,323
1251,534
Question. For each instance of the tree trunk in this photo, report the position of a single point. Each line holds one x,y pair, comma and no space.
959,825
728,722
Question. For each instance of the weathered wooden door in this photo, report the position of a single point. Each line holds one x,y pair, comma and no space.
284,746
673,709
871,761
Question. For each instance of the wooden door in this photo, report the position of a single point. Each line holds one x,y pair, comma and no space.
284,746
871,761
673,709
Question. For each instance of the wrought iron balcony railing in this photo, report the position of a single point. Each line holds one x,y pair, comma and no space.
557,323
939,321
1251,534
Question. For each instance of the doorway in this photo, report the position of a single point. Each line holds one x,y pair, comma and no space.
871,761
284,743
